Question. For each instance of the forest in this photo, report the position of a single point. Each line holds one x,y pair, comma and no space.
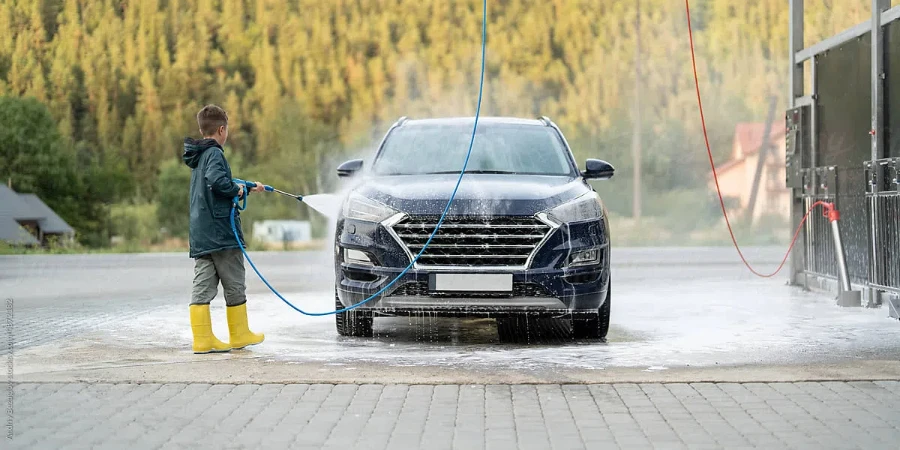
96,96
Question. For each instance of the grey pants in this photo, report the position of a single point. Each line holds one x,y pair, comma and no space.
226,266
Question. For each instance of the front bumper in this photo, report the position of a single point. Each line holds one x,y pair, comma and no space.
548,286
551,292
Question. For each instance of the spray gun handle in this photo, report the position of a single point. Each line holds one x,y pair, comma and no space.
250,185
237,198
247,186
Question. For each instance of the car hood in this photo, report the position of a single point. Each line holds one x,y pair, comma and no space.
478,194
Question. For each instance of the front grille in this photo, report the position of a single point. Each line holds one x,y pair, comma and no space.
520,289
473,241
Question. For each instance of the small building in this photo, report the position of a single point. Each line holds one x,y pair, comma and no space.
26,220
287,232
736,176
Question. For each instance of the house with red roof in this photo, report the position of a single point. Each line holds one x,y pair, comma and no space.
737,174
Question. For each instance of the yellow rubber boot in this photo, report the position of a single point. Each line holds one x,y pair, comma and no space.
238,328
204,339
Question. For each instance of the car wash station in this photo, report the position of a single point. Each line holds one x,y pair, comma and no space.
492,308
841,87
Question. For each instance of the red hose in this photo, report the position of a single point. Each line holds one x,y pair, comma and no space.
829,212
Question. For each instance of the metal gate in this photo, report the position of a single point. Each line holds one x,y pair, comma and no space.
843,146
883,208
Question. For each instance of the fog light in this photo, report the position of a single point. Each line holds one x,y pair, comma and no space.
356,257
585,257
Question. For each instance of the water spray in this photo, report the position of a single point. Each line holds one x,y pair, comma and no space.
249,184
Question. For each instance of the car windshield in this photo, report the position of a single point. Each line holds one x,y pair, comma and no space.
498,148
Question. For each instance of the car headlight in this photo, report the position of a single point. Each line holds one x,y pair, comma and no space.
583,207
359,207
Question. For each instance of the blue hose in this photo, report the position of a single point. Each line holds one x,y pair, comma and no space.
436,228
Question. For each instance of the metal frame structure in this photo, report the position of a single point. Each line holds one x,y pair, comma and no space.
880,204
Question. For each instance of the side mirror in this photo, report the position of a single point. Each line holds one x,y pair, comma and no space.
597,169
350,167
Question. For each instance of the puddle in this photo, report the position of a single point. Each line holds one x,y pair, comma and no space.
652,326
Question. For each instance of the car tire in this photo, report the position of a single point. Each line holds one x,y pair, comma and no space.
352,323
594,325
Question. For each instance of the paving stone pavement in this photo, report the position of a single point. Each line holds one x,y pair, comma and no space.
813,415
38,326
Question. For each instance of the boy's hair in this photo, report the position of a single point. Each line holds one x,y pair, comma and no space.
210,118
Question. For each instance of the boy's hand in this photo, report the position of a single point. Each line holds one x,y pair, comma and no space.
258,188
240,190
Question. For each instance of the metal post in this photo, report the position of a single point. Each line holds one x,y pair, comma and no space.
795,35
841,259
873,182
813,114
795,90
877,131
636,138
847,296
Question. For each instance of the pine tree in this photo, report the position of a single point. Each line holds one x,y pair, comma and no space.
124,79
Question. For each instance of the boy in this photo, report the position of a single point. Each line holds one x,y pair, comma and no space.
215,251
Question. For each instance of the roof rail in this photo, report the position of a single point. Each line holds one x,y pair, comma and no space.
402,120
546,120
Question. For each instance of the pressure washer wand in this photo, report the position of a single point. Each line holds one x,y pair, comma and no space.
271,189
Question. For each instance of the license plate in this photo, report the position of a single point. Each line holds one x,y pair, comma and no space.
464,282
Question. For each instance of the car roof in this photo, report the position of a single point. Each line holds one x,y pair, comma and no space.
469,120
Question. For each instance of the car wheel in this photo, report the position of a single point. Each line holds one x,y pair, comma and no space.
593,325
352,323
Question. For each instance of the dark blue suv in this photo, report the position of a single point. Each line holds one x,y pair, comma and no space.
526,235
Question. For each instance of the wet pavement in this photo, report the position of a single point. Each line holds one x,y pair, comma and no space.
700,355
673,309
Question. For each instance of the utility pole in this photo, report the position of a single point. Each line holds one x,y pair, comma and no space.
636,137
761,159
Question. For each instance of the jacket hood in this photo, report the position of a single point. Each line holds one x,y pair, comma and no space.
193,149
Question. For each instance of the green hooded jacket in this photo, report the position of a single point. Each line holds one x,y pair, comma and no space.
212,194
